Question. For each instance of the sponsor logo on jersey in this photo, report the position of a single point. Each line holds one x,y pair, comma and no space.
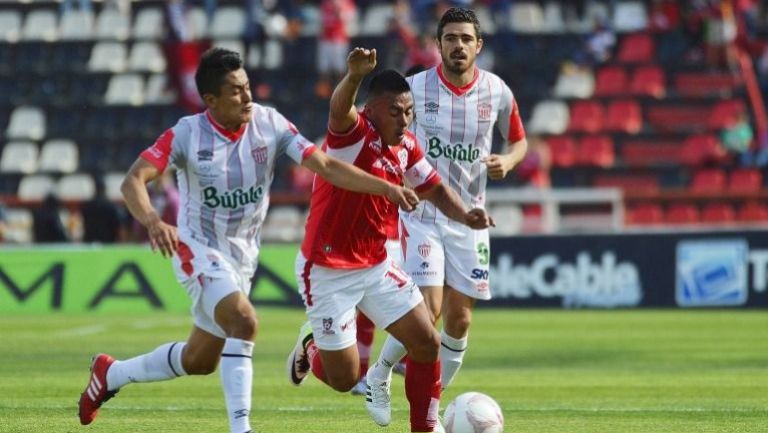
375,145
431,107
424,249
456,152
260,154
484,112
234,199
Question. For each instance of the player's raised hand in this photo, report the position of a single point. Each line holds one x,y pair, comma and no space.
498,166
361,61
162,237
406,198
478,219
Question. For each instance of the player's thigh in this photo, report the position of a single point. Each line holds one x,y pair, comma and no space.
467,260
330,299
423,254
433,300
418,335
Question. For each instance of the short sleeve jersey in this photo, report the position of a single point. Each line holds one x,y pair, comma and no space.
454,126
346,229
224,177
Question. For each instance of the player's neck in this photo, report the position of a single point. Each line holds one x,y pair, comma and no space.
458,80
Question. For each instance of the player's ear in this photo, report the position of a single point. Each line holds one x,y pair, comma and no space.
210,100
479,45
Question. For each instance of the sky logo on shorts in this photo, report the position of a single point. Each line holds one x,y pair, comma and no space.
712,273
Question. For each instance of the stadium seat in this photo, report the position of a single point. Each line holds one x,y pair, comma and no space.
273,55
552,21
112,182
526,17
708,181
35,187
76,25
235,45
10,25
27,123
59,156
629,16
311,24
149,24
629,183
636,48
19,157
753,212
650,153
563,151
624,116
745,180
125,89
726,113
76,187
197,21
18,222
40,25
611,81
113,25
549,117
679,118
228,23
375,20
718,212
701,148
682,213
596,151
108,57
586,116
578,84
146,57
648,81
704,84
645,214
484,16
158,91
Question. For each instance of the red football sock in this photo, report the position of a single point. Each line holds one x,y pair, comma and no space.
316,362
365,331
422,387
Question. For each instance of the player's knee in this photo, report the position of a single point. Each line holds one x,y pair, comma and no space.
244,326
458,325
199,366
425,348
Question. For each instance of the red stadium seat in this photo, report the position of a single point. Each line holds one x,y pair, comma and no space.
624,116
682,213
718,213
636,48
701,148
586,116
726,113
611,81
745,180
630,184
709,180
596,150
680,118
648,81
649,153
706,84
562,150
753,212
646,213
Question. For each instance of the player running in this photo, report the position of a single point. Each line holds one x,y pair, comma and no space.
343,264
225,159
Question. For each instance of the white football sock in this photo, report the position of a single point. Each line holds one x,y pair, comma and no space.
391,353
236,379
162,363
451,354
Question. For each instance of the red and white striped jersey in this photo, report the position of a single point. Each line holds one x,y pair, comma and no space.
224,177
348,230
455,128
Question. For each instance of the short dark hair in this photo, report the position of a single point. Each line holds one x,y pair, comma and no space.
215,64
387,81
415,69
459,15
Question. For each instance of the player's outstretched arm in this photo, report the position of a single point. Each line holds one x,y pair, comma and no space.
343,116
500,165
162,236
445,199
347,176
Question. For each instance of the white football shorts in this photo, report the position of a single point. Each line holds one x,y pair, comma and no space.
208,276
382,292
451,254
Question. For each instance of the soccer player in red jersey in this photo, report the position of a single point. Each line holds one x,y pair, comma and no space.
343,264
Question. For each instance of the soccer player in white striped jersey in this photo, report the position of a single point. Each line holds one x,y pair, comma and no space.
456,106
225,159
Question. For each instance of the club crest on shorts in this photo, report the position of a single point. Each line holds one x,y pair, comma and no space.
484,112
424,249
260,154
327,325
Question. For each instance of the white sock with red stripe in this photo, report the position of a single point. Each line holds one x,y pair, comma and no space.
236,378
162,363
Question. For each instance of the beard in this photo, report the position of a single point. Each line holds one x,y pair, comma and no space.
457,65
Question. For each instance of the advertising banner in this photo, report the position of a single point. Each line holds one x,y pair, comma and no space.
662,269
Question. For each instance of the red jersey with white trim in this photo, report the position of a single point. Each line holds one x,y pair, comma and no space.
455,128
224,177
346,229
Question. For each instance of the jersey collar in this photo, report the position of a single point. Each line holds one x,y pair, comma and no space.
232,136
458,91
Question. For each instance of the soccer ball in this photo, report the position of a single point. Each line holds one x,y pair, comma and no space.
473,412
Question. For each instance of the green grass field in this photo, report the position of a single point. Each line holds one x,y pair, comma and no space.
550,370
